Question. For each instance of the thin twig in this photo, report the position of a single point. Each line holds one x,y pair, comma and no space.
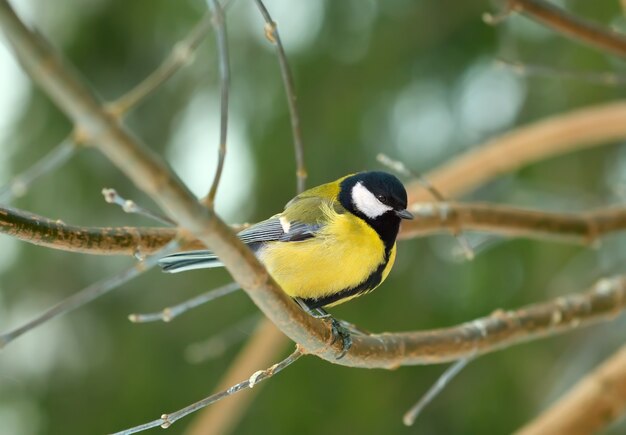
271,33
411,415
221,418
86,295
170,313
167,420
401,168
217,344
129,206
56,158
526,69
569,25
181,54
219,24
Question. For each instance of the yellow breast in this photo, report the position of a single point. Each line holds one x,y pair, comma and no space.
341,256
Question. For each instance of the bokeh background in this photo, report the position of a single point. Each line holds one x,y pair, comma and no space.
414,79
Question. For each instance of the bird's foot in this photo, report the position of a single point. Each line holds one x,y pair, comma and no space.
339,328
340,332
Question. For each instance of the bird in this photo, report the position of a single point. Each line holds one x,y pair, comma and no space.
330,244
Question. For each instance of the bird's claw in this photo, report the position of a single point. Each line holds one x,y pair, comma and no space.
339,331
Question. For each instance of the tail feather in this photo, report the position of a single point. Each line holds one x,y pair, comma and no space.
189,260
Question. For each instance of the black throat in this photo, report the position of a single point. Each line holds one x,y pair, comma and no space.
385,225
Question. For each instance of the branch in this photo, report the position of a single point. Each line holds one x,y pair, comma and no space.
578,129
222,417
55,158
528,70
571,26
314,335
67,89
179,56
167,420
55,234
87,295
595,402
434,218
170,313
508,221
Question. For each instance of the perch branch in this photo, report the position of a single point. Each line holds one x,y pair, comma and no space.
66,88
434,218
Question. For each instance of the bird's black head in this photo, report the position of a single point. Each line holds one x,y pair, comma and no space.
379,199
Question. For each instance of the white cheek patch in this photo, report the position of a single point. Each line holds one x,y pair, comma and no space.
367,203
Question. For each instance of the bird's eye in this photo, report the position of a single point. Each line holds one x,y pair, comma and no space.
381,198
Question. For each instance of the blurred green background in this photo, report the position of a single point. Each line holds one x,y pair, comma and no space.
413,79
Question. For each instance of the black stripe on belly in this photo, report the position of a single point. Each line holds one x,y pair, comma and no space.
368,284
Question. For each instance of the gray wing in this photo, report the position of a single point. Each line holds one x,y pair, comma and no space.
275,229
270,230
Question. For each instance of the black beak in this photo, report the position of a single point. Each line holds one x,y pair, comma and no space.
404,214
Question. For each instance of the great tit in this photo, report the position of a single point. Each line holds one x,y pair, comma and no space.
331,243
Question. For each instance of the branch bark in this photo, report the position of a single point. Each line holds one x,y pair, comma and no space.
584,228
571,26
596,401
578,129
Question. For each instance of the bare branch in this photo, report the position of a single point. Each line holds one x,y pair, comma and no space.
574,27
87,295
259,351
129,206
219,24
56,158
411,415
598,78
55,234
181,54
586,228
595,402
271,32
170,313
578,129
167,420
66,88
